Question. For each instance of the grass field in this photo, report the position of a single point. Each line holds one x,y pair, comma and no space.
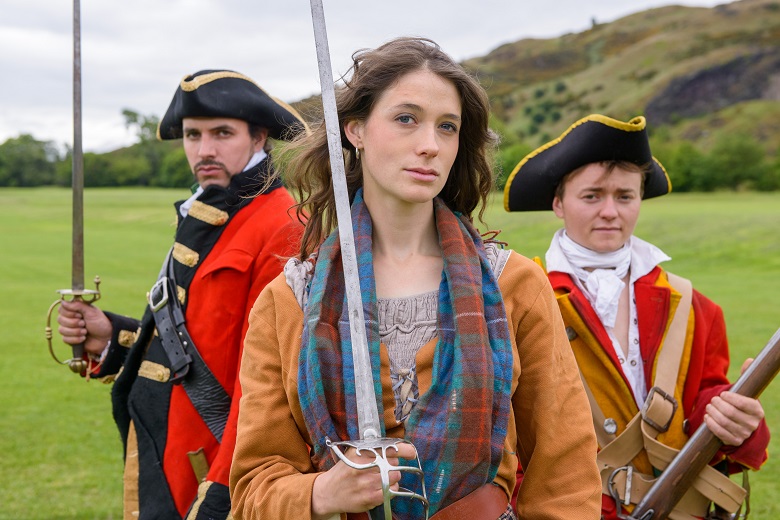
60,455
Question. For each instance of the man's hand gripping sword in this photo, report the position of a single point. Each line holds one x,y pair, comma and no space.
368,415
77,363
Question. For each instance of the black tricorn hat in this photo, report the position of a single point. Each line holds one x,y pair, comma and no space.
595,138
224,93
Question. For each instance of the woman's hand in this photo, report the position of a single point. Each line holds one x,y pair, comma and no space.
342,489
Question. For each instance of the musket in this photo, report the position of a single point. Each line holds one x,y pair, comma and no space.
77,292
678,476
367,411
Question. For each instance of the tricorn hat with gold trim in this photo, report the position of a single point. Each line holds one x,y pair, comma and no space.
224,93
595,138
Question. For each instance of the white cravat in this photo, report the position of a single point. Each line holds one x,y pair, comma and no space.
184,209
567,256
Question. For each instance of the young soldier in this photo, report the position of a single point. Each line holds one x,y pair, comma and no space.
176,398
643,338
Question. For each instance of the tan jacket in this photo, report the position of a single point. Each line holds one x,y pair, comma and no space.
550,429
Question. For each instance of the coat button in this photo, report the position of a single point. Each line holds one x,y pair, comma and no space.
571,334
610,426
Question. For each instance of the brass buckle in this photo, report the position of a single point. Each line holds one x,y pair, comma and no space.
646,407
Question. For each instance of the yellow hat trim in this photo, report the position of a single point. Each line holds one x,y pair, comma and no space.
198,81
636,124
194,83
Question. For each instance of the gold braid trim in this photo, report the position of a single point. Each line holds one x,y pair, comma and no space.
185,255
154,371
181,294
126,338
208,214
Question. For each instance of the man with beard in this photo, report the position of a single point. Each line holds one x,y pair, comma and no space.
176,390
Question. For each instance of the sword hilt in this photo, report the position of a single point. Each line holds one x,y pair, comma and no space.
77,364
379,448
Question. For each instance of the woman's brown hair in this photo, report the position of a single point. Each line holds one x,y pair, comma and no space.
305,163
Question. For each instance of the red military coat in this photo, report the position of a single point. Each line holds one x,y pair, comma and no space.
703,368
158,421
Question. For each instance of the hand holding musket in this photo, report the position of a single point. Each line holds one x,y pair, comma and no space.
77,292
678,476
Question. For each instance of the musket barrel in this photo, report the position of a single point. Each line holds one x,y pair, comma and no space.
678,476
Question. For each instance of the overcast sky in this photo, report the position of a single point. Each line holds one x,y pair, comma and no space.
135,52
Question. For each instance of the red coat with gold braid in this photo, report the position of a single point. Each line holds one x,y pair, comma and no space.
702,375
230,259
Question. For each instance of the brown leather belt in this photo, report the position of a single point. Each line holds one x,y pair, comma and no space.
486,503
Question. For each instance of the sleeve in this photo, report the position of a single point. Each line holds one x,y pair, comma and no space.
124,331
556,441
707,378
272,475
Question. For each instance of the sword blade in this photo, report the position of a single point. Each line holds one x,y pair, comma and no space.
77,257
368,414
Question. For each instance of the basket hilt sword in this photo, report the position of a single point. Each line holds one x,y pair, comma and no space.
77,292
367,411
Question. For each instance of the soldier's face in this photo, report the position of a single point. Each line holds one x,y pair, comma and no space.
600,209
218,148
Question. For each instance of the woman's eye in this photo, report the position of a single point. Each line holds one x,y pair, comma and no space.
450,127
406,119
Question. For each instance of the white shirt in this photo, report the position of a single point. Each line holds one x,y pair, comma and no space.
644,258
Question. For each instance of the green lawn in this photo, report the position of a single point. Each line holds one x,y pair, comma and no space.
60,455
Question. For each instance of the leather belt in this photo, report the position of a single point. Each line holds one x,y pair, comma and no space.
187,366
169,319
488,502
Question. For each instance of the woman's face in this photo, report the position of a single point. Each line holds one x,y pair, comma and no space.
409,141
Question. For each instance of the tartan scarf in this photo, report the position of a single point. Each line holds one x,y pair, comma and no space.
459,425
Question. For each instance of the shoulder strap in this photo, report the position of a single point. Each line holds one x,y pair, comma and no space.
205,392
668,365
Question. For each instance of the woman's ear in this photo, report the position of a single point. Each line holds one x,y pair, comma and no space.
353,129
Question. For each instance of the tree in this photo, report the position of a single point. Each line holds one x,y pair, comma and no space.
175,171
737,161
508,158
27,161
148,146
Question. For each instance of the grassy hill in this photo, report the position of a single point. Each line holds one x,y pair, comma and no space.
696,72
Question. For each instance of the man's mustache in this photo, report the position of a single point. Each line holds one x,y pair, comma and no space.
209,162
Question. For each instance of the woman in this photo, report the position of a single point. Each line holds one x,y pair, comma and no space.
466,340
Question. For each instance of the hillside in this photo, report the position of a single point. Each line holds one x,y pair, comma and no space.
698,72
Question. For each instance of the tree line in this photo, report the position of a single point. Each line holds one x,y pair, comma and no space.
735,162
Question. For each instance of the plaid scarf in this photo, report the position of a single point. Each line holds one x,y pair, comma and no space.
459,425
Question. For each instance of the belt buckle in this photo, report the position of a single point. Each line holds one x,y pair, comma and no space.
615,493
158,294
646,406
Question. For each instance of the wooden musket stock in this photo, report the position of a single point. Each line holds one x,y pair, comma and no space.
678,476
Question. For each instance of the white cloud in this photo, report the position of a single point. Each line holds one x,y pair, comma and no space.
134,53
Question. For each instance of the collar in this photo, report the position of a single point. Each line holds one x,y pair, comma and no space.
253,161
603,285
